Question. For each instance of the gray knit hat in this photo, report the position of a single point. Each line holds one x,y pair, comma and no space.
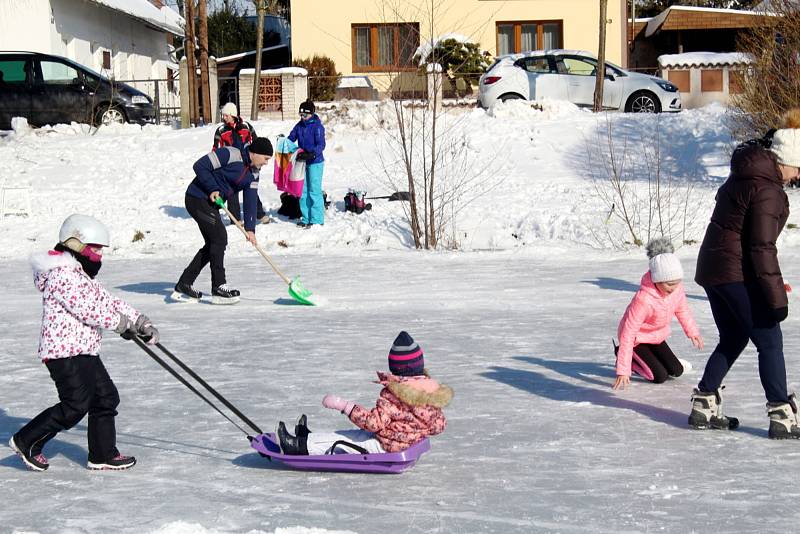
664,264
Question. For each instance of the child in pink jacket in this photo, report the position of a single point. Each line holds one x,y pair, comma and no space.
644,328
75,310
408,409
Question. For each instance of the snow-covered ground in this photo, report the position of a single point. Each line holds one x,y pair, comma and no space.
520,327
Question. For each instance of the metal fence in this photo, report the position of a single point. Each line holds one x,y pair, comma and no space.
165,94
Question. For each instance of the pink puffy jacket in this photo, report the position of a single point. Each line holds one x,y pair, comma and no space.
408,410
647,320
74,307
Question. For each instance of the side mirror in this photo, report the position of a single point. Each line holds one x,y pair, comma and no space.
610,77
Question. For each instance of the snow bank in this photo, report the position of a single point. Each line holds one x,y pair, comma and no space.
528,162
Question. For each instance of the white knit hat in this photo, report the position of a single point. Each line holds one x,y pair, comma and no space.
786,145
664,264
229,109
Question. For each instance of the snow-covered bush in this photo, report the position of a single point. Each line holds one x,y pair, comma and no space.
462,61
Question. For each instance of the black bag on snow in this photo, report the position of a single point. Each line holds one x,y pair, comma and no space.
290,206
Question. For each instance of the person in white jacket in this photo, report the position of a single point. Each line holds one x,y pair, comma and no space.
75,308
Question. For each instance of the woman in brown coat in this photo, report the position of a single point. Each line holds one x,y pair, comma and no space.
738,268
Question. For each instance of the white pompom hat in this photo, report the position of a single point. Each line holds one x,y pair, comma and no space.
229,109
664,264
786,145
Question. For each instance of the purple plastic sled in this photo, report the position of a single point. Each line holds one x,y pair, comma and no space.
386,462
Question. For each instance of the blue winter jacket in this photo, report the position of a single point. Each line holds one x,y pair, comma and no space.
228,171
310,135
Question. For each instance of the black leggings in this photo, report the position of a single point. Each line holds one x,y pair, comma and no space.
660,359
84,387
206,215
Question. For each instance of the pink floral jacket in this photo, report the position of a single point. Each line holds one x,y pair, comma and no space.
74,307
408,410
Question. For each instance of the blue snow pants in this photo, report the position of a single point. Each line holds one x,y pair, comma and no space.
742,314
312,207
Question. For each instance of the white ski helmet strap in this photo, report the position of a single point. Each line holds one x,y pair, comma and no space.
85,229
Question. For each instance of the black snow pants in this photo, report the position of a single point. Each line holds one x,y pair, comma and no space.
660,359
206,215
84,387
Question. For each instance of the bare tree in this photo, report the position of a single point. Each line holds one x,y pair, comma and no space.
189,50
642,195
260,8
771,83
600,72
205,89
424,146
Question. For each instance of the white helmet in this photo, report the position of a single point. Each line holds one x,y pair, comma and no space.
85,229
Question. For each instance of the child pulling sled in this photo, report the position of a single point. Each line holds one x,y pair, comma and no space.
76,308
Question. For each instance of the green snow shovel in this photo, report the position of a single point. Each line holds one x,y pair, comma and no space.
296,288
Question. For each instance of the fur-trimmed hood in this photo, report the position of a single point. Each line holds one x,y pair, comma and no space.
43,263
417,390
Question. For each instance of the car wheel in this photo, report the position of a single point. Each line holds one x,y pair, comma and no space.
110,115
510,96
643,102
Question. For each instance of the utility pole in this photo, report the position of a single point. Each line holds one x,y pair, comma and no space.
261,8
600,72
191,62
204,85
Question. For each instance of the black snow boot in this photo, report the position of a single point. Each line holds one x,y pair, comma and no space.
185,292
301,428
33,460
224,294
707,412
783,419
117,463
291,445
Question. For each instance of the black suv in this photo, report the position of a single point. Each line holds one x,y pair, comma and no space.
49,89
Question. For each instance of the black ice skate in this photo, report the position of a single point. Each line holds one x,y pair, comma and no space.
707,412
185,293
117,463
783,419
223,294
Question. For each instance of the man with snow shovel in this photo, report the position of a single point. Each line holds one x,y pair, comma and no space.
221,174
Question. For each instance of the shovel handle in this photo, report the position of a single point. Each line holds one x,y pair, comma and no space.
221,203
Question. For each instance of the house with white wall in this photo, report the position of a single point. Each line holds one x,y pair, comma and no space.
122,39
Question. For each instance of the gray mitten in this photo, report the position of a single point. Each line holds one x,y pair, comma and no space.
146,330
126,329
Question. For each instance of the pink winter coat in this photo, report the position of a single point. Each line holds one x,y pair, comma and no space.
74,307
647,320
408,410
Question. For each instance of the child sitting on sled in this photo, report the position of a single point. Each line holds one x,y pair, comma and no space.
408,409
644,328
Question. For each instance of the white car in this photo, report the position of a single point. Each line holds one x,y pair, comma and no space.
570,75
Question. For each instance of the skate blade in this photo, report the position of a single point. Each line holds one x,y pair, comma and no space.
180,297
224,301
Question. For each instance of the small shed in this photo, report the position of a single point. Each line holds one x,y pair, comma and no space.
681,29
280,92
704,77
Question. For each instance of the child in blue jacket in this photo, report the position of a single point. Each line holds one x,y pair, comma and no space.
309,134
